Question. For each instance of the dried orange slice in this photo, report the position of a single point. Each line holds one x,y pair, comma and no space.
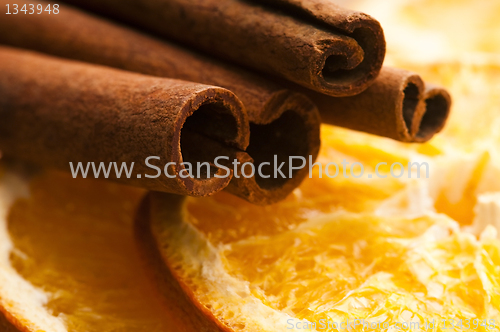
68,258
332,268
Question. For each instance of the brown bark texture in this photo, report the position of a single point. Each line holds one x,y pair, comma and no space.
55,111
314,43
283,122
398,105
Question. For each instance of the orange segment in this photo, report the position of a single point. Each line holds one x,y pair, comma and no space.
368,149
226,218
365,267
73,239
462,210
333,267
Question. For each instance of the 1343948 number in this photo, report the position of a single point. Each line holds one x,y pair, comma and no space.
32,9
467,324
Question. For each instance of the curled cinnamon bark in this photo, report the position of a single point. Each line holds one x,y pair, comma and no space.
437,104
54,111
313,43
283,123
397,106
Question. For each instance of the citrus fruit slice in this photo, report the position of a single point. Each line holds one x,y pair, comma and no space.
337,268
68,258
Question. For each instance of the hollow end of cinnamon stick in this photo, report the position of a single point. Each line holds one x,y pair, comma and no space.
391,107
348,66
57,111
437,104
350,69
339,70
288,127
265,101
213,124
411,108
399,105
336,51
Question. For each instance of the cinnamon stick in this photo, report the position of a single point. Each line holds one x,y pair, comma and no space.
283,122
55,111
313,43
397,105
437,105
